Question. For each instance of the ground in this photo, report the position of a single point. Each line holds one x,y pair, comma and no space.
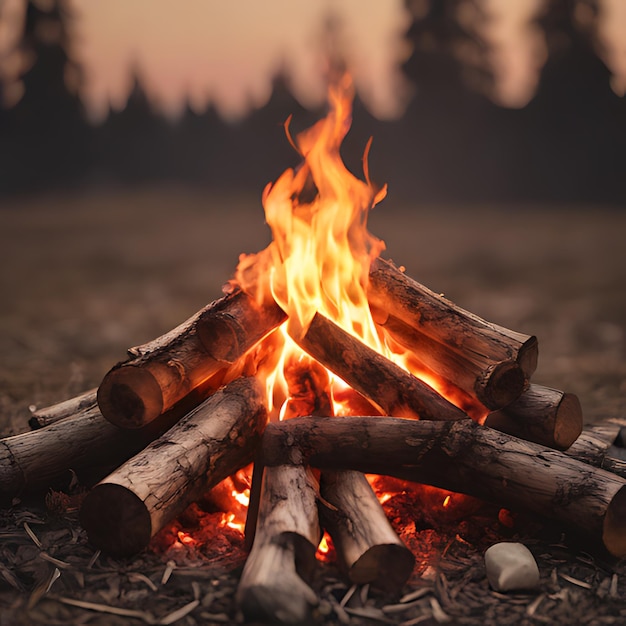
86,275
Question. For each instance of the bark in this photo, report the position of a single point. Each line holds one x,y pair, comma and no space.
393,293
547,416
368,549
163,371
392,389
84,442
122,512
272,587
83,403
465,457
596,445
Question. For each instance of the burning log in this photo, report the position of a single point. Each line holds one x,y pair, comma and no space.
387,385
465,457
163,371
497,359
546,416
84,403
368,548
272,585
216,439
81,441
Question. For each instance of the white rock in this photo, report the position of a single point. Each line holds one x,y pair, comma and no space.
511,566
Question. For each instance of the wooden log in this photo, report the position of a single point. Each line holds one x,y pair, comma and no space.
163,371
391,292
465,457
122,512
493,385
595,446
367,547
84,402
84,443
392,389
273,585
547,416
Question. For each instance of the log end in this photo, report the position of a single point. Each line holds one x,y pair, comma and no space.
500,385
130,397
116,520
528,356
568,423
614,526
386,566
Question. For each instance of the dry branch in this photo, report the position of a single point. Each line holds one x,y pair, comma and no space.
491,351
547,416
465,457
390,387
368,548
595,444
216,439
81,404
163,371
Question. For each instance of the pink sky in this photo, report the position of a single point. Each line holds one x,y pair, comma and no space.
227,52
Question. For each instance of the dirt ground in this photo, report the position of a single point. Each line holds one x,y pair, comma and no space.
84,276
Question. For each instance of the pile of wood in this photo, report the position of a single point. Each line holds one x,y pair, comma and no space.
185,411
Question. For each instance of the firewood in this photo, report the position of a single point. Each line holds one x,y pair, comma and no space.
163,371
83,442
368,548
486,346
547,416
595,444
272,587
465,457
122,512
492,386
84,402
392,389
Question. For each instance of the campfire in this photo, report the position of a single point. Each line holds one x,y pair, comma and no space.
322,363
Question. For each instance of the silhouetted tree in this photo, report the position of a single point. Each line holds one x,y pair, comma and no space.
46,133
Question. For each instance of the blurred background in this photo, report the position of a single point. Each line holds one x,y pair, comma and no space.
136,137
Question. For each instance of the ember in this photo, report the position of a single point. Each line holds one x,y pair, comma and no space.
323,361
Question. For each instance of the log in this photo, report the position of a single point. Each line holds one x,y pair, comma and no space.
272,587
84,402
486,346
122,512
595,446
83,442
547,416
367,547
163,371
465,457
392,389
493,385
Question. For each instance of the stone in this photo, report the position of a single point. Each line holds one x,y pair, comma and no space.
511,566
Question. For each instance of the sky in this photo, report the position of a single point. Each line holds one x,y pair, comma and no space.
226,53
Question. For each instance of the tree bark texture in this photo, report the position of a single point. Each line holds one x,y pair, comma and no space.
122,512
163,371
595,446
546,416
465,457
387,385
391,292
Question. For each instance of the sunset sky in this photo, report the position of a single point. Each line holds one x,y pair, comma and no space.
227,52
